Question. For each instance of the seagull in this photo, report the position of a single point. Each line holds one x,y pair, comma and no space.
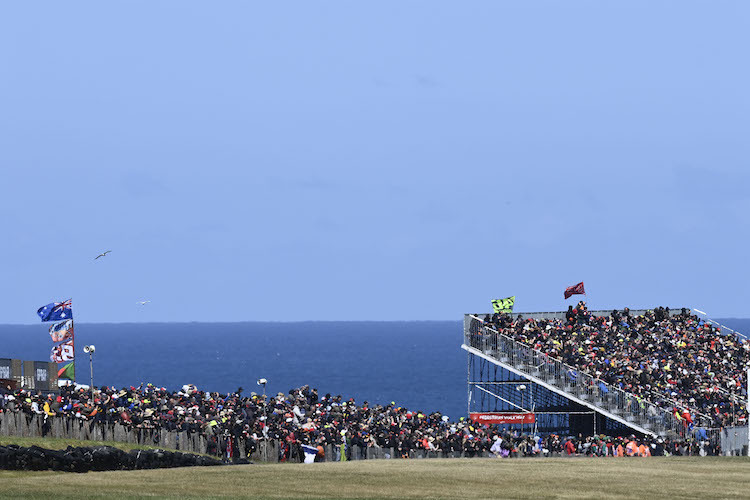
103,254
143,302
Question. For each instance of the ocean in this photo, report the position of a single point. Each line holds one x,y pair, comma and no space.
419,364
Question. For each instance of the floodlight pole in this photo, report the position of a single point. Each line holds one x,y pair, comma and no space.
263,382
265,414
468,385
91,371
522,388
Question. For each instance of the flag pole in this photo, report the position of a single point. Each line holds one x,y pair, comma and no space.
73,326
73,341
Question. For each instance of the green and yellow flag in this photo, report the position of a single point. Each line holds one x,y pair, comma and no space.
504,305
68,371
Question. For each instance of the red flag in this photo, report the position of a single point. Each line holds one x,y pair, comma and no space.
575,290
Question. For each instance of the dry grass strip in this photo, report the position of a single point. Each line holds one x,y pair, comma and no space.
674,477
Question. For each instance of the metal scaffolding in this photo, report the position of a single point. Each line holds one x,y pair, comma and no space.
493,388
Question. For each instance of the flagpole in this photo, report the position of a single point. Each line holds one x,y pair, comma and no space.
73,339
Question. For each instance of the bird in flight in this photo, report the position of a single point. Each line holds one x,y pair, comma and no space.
143,302
103,254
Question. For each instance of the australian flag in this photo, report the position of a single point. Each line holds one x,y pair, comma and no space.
56,311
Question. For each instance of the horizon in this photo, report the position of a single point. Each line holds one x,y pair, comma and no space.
716,318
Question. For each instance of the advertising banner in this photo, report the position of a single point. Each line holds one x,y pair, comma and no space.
502,418
5,369
41,375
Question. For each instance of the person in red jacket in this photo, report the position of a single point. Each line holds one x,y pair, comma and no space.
570,448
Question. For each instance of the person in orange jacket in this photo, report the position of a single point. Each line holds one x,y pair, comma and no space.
644,451
631,448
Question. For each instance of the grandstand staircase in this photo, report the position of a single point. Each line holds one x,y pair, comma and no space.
535,366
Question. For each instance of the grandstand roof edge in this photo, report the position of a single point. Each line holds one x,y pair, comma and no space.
608,311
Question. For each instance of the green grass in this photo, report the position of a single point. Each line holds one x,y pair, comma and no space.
59,443
674,477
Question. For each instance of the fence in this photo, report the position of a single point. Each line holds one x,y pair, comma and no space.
19,424
733,440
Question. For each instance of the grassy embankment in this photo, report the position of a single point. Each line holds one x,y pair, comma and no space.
59,444
683,478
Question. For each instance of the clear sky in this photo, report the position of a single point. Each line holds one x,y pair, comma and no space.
372,160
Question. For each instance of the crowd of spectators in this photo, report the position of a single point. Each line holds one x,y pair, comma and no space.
673,359
305,417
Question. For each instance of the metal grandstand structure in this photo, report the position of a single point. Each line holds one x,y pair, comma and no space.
563,398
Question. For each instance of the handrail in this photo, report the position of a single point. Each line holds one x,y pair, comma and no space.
719,324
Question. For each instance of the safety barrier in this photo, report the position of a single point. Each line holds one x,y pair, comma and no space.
19,424
733,440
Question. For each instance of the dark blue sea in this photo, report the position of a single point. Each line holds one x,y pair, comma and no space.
418,364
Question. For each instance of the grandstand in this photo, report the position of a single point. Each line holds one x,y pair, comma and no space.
662,372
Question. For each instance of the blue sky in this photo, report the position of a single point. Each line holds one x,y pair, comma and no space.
372,160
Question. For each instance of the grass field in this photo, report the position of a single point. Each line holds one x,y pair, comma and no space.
59,444
676,478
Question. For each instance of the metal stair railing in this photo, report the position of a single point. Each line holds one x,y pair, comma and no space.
723,327
571,380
